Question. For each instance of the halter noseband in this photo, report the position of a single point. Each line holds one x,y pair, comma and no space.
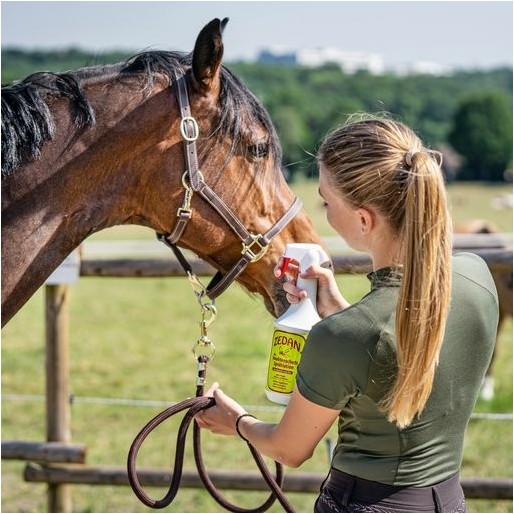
254,246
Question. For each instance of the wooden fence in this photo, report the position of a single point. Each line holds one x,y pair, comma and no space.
59,463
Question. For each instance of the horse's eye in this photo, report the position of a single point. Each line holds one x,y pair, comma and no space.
259,150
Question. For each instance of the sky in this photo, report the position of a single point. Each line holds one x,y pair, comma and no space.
463,34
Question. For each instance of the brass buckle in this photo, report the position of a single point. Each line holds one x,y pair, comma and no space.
184,213
255,255
183,132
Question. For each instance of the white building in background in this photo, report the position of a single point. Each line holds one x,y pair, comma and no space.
349,62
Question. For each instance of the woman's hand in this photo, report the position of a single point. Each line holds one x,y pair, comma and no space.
329,298
291,441
221,418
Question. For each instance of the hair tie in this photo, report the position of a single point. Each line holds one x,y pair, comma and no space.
408,157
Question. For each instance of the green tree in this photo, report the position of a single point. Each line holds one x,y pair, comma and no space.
482,134
292,133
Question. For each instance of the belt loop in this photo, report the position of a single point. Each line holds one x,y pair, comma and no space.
437,500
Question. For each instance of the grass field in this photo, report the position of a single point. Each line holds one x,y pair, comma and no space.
132,339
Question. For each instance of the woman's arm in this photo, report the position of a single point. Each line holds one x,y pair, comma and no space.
291,442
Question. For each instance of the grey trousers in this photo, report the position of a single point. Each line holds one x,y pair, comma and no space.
345,493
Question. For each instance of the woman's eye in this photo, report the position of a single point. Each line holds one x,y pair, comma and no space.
259,150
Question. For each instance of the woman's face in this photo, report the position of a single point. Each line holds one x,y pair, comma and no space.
342,217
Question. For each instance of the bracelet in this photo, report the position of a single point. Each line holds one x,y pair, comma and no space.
237,425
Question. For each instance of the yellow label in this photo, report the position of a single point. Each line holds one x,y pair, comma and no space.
286,350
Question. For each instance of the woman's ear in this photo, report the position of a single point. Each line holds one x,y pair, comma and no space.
367,219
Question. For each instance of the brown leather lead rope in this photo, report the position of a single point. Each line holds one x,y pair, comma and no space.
195,405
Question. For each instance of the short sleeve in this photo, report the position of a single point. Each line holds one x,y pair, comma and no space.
336,358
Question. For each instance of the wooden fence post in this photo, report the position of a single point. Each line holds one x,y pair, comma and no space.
57,384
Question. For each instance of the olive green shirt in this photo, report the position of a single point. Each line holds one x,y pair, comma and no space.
349,362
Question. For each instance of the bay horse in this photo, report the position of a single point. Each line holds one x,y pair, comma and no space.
104,146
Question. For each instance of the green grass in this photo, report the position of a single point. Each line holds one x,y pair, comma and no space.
132,339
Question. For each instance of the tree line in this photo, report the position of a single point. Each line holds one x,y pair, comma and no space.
467,114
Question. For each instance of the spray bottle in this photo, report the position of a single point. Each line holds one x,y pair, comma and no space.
292,327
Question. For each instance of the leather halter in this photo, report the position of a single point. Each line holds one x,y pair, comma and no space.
254,246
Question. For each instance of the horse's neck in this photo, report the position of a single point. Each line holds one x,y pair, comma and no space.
81,184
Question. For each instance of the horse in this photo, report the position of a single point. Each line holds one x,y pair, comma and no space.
117,144
503,283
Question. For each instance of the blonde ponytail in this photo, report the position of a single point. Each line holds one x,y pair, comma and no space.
382,163
425,292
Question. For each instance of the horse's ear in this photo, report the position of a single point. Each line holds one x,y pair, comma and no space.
207,55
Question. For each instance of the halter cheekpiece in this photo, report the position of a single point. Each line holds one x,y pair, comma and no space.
254,246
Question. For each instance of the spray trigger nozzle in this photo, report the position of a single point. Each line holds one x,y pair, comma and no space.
285,265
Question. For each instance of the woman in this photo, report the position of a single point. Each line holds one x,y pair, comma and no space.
402,367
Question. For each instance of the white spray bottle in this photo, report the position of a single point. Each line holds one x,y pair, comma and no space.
292,327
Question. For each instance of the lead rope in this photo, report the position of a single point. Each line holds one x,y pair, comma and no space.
203,351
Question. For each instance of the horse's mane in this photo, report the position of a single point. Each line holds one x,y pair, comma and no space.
27,122
26,119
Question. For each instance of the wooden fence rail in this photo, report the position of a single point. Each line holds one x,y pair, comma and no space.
44,452
498,259
484,488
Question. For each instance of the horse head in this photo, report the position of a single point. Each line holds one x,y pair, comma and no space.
111,151
241,161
